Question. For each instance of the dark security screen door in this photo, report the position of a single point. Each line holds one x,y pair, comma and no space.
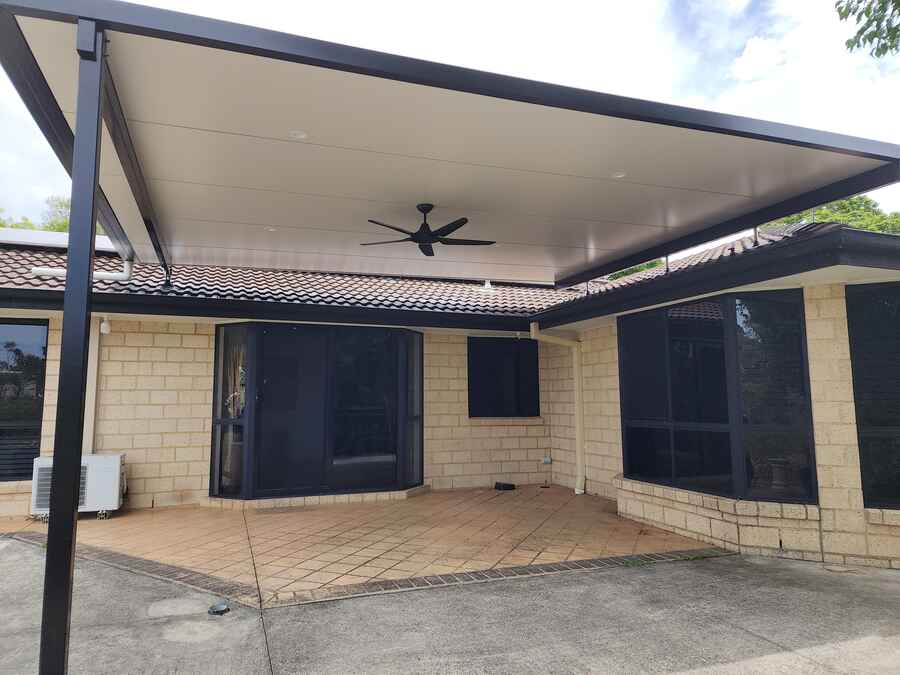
291,409
310,409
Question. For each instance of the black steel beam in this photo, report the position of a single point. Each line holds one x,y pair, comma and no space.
202,31
117,126
883,175
60,562
26,76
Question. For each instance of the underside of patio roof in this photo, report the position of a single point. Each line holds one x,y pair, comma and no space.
230,145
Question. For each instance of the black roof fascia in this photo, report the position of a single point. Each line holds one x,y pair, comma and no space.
841,246
882,175
169,25
26,76
251,310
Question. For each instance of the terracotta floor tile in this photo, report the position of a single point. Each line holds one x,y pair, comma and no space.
436,533
368,571
348,579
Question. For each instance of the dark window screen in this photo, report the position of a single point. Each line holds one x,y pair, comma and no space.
773,392
873,313
771,358
715,397
697,363
365,393
650,456
23,357
307,409
503,377
643,346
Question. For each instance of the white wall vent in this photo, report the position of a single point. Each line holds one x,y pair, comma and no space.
101,488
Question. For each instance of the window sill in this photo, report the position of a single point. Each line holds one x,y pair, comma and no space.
506,421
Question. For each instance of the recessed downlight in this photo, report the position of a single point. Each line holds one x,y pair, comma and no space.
298,135
619,174
269,228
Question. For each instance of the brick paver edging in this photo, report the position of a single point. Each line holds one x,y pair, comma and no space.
243,593
247,594
459,578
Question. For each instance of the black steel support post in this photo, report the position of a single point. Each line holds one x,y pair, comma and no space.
74,354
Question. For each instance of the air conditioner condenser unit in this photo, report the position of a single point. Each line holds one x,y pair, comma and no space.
101,490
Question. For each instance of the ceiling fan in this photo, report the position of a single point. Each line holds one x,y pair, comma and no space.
425,236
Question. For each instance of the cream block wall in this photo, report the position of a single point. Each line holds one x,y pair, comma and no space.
850,533
464,452
602,417
602,422
558,410
154,404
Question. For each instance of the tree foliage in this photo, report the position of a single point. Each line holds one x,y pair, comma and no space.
862,213
635,269
54,219
877,25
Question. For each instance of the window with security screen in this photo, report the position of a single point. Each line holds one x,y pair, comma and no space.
503,377
873,315
715,397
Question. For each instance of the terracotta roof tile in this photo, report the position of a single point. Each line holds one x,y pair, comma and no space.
364,291
316,288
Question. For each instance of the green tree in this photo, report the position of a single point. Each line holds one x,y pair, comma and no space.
635,269
862,213
877,25
56,215
54,219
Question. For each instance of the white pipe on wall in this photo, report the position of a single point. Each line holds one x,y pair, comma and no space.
60,273
578,384
90,388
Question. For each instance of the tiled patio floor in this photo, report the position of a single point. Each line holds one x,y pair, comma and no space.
304,549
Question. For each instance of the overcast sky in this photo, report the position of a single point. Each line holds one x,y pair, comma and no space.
781,60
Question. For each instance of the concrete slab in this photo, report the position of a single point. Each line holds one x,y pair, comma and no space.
124,622
728,615
718,615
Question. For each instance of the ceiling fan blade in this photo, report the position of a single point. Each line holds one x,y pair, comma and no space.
465,242
391,227
391,241
450,228
427,249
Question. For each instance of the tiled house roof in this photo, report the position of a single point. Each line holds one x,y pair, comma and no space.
368,291
315,288
717,254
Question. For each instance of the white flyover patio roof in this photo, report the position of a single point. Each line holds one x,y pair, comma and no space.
232,145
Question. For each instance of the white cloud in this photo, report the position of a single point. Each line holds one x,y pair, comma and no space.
29,171
761,58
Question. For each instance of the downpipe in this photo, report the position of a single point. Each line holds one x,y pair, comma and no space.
576,347
60,273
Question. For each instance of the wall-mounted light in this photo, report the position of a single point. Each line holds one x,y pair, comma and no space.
105,327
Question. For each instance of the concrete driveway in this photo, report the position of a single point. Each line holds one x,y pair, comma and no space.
727,614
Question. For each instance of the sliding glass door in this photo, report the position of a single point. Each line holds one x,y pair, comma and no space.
329,409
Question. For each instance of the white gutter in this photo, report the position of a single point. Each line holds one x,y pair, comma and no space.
576,347
60,273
